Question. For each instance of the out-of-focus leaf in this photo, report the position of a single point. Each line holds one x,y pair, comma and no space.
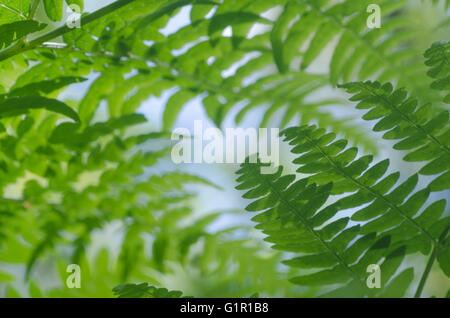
16,30
45,87
144,290
20,105
54,9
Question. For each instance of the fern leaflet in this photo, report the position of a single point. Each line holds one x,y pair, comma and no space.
424,135
383,211
288,220
438,59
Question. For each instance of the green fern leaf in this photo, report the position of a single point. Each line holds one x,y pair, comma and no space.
327,160
54,9
45,87
144,290
189,71
399,285
173,107
288,217
438,59
425,136
17,30
309,26
294,213
19,105
443,253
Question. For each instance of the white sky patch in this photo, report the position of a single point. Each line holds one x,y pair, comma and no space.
273,13
211,13
14,190
233,68
154,106
227,32
211,60
181,19
148,43
150,64
259,74
188,46
130,74
257,29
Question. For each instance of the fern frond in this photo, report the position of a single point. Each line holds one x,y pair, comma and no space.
360,53
438,59
195,62
424,135
94,176
195,58
289,217
70,179
328,160
144,290
381,209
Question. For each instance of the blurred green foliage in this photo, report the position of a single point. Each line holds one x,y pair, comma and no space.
76,171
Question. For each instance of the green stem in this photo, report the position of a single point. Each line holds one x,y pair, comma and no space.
22,47
33,9
427,270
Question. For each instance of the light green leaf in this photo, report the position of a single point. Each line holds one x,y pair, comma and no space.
79,3
54,9
19,105
174,106
16,30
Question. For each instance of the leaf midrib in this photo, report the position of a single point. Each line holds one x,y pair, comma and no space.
370,190
310,229
405,117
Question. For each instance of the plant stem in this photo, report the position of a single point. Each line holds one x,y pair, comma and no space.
33,9
430,263
22,47
426,272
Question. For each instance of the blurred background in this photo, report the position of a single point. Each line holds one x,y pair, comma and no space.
243,264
